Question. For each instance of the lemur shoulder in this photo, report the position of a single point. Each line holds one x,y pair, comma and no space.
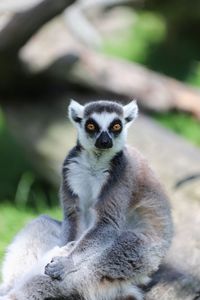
117,223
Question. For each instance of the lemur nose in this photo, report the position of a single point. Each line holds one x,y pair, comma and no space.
104,141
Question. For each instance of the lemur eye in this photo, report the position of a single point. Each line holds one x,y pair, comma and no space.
116,127
90,127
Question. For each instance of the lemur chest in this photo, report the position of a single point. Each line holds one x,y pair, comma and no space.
86,179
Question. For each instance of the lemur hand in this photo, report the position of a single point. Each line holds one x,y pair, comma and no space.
60,267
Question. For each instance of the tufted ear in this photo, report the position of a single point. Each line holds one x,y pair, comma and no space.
75,111
130,111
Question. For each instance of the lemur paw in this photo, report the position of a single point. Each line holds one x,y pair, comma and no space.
59,267
55,268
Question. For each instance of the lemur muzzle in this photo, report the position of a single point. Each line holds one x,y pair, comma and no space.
104,141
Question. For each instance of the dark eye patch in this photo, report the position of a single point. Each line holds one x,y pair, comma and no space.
115,122
93,122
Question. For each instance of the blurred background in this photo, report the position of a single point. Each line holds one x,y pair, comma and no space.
51,51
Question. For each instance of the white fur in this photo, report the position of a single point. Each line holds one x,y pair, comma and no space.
31,244
30,260
37,268
131,110
86,175
104,119
76,108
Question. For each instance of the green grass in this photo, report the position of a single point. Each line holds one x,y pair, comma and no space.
181,123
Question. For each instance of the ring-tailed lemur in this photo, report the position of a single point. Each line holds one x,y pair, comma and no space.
117,224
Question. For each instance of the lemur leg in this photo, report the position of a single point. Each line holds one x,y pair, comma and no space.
43,287
37,238
131,257
84,287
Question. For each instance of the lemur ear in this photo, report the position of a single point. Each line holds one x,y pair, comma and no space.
75,111
130,111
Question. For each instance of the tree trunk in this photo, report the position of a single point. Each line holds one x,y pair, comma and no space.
13,73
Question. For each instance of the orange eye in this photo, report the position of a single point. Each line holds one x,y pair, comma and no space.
90,127
116,127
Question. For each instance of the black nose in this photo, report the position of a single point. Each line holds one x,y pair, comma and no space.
104,141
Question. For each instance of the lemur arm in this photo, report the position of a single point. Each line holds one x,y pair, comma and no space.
108,209
109,215
69,202
138,251
121,254
124,250
109,219
70,214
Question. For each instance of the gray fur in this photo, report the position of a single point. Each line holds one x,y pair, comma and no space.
122,241
102,106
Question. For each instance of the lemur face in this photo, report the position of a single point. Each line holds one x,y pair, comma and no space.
102,125
103,128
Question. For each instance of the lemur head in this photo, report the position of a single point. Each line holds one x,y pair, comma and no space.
102,125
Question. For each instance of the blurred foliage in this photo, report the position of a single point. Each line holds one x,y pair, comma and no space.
23,193
148,42
20,183
135,43
182,124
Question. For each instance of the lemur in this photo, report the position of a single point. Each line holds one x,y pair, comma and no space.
117,224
